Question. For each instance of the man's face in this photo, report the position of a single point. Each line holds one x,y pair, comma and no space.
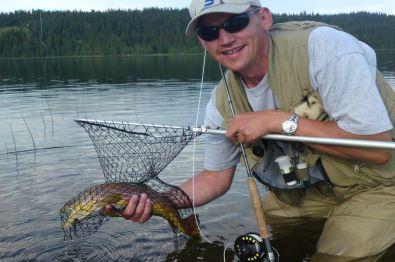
243,51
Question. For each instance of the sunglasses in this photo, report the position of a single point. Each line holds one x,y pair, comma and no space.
233,24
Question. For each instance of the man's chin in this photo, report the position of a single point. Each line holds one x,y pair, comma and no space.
235,67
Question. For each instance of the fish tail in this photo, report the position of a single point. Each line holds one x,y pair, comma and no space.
186,225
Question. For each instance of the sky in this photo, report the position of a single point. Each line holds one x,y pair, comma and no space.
276,6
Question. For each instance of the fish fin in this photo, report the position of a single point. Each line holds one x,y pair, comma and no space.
191,223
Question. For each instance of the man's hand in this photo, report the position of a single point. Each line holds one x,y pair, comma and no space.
138,209
248,127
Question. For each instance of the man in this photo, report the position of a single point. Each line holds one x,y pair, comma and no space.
305,79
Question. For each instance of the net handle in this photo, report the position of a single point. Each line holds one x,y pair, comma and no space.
303,139
314,140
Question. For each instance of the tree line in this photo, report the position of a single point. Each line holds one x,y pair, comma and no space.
148,31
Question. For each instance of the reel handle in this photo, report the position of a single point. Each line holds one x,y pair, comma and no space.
260,217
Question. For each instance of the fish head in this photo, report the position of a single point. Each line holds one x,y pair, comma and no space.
78,210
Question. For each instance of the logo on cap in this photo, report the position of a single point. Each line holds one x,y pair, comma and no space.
207,3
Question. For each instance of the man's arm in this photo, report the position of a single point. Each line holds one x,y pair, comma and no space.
209,185
248,127
310,127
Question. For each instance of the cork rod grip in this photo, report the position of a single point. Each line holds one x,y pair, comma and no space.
258,209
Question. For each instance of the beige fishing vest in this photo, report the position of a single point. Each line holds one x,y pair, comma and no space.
289,79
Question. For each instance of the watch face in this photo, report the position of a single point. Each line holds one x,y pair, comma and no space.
289,127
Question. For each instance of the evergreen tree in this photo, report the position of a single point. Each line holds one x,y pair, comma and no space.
152,30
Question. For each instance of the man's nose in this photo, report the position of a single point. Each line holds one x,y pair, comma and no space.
225,38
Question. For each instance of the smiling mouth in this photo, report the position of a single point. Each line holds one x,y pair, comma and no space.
233,51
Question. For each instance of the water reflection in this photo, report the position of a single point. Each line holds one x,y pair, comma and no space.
110,70
386,60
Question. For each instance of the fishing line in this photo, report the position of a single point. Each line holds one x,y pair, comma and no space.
278,254
46,50
225,247
193,158
45,72
194,147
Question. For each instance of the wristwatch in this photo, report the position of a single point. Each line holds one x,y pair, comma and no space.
291,125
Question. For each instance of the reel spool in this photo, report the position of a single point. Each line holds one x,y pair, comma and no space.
250,247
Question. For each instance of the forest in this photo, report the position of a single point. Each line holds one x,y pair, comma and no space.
40,33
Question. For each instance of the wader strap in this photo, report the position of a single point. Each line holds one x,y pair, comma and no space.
323,171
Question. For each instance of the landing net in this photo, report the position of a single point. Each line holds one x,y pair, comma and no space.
132,152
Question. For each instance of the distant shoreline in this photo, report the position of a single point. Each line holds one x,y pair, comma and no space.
151,31
126,55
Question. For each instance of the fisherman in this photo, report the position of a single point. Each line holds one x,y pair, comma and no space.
304,79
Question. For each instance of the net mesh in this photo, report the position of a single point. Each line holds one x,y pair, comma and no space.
86,227
131,152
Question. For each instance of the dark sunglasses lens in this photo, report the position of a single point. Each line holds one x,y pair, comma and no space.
231,25
236,24
208,33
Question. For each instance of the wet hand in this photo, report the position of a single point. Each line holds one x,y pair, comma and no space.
139,209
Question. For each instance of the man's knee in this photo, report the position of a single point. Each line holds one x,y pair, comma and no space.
356,237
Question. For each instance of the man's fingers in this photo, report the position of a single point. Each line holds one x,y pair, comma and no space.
231,134
131,207
140,208
232,131
147,212
108,208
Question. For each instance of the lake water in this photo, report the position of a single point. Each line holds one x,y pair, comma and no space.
46,158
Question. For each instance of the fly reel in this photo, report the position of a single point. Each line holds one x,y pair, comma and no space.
250,247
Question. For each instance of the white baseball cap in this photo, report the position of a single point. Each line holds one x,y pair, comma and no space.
199,8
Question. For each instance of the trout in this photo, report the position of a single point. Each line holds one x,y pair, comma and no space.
94,199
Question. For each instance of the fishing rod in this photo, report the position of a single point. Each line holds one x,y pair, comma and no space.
249,247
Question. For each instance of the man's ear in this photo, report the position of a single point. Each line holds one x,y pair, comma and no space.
266,16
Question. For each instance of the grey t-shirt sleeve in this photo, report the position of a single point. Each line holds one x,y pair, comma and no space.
219,152
343,71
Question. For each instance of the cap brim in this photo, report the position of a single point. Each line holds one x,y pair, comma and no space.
224,8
